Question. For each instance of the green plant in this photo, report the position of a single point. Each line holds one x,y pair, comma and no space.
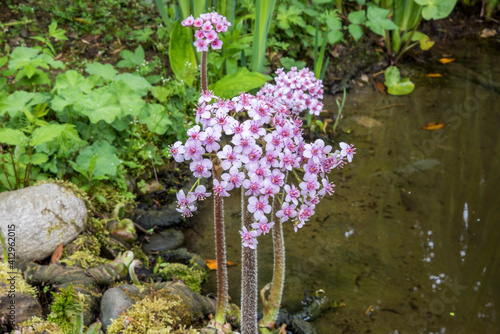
192,276
396,85
159,265
67,310
54,33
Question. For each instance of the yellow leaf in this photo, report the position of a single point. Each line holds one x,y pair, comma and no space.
212,264
446,60
433,126
434,75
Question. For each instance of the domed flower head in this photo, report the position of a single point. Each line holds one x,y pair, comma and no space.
207,27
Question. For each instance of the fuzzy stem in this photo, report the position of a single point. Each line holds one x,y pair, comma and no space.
204,80
220,255
274,301
248,276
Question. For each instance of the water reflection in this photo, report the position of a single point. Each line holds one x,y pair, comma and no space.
412,230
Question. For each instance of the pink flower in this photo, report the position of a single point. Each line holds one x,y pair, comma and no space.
287,211
216,44
253,185
249,238
177,151
201,168
234,178
220,188
347,151
201,193
210,35
201,45
262,226
188,22
198,23
258,206
207,26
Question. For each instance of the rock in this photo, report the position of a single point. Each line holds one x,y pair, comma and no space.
169,239
167,217
181,255
40,218
115,301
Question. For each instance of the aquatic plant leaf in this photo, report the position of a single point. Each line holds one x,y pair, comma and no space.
241,81
433,126
182,57
436,9
425,42
396,86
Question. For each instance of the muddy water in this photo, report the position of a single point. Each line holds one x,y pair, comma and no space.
413,231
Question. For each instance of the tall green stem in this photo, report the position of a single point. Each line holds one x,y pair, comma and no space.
204,80
220,255
248,276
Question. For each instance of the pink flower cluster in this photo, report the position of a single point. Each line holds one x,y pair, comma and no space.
297,90
264,144
207,28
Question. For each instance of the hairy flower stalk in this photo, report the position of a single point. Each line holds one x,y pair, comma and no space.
203,76
220,255
248,275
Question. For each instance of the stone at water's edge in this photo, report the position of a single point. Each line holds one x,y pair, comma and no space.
167,217
168,239
40,218
114,302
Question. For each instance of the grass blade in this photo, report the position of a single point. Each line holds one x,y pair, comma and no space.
264,12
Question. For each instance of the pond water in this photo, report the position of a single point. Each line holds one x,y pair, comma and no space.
412,230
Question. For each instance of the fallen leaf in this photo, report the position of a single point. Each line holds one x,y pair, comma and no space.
434,75
212,264
118,50
79,19
433,126
446,60
488,33
380,87
57,254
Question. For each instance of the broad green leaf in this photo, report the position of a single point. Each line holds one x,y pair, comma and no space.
288,16
436,9
99,106
161,93
3,60
75,81
155,116
12,137
130,102
137,83
131,59
106,162
23,56
66,97
356,31
107,72
335,36
288,63
46,133
396,86
378,21
358,17
57,33
79,169
241,81
425,42
16,102
333,21
39,158
181,56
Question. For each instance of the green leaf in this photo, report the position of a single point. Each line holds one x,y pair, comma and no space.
263,15
106,162
130,102
241,81
16,102
356,31
156,118
333,21
182,57
335,36
57,33
358,17
46,133
289,15
12,137
107,72
425,42
377,20
131,59
320,2
100,105
75,81
137,83
436,9
288,63
395,85
39,158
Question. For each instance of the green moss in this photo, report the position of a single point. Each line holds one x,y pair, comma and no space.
140,255
159,313
67,310
21,286
193,277
38,325
112,199
83,252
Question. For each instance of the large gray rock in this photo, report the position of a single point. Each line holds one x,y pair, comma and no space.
168,239
40,218
115,301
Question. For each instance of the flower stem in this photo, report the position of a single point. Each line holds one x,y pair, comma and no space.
204,80
248,276
274,301
220,255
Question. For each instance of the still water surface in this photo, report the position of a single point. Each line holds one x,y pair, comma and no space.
413,230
